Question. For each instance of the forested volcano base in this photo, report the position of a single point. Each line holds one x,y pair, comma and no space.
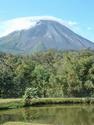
51,74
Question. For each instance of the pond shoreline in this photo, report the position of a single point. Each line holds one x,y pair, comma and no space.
19,103
22,123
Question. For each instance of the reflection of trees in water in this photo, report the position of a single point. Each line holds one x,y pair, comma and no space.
61,116
58,115
12,115
76,117
39,115
30,114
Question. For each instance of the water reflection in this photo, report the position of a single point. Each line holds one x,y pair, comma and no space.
55,115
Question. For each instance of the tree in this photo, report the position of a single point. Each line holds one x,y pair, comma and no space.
30,93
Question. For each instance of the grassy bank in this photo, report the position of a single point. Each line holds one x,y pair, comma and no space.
17,103
11,103
22,123
44,101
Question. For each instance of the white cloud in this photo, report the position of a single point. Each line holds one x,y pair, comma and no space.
9,26
72,23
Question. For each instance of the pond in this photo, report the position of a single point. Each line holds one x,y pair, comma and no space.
54,115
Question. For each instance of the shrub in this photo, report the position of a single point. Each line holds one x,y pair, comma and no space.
30,93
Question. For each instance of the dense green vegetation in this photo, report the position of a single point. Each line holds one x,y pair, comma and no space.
48,74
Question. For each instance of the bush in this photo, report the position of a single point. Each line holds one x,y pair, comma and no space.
30,93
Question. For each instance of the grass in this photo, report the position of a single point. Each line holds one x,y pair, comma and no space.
16,123
22,123
11,103
43,101
17,103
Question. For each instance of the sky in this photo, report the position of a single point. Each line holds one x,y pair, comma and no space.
78,14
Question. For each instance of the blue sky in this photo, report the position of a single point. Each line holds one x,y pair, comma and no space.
78,13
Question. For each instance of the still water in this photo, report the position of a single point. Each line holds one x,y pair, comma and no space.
54,115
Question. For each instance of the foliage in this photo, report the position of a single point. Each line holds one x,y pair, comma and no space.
51,73
30,93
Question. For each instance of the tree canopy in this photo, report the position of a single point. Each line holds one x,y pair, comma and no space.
51,73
